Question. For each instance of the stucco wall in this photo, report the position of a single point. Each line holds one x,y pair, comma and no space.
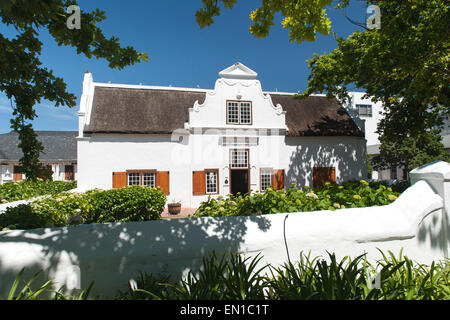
101,155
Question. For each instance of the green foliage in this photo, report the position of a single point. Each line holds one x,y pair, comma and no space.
28,293
133,203
410,151
235,278
27,189
232,277
303,18
23,78
351,194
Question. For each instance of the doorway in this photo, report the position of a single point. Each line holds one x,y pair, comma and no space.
239,171
239,181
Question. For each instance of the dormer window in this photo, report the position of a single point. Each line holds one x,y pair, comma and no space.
239,112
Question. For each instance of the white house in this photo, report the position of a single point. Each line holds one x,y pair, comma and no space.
59,155
367,114
195,142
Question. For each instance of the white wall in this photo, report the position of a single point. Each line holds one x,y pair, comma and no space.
112,254
101,155
370,122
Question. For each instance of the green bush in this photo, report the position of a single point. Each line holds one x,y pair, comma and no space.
27,189
133,203
351,194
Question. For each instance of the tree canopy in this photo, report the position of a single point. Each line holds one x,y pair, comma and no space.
24,79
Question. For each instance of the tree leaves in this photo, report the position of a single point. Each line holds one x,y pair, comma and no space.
23,78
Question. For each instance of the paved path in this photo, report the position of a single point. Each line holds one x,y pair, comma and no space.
185,212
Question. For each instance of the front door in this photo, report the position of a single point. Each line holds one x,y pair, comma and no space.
239,171
239,181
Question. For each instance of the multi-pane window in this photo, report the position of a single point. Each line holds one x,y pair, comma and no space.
149,179
142,178
211,181
239,159
239,112
246,113
134,179
364,110
233,112
266,178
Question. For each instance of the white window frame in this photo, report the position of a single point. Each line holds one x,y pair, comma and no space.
212,188
239,105
237,164
152,179
264,172
366,107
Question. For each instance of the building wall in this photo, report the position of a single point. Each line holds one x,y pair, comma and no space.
370,123
101,155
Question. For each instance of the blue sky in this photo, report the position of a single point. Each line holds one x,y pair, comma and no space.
181,54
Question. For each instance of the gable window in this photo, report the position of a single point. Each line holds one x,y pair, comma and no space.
364,110
239,159
239,112
211,181
265,178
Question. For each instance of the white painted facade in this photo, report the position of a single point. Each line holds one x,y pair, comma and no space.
202,143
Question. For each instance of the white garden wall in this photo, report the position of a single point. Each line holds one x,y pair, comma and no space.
112,254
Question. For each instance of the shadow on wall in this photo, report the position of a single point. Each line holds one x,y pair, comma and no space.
346,154
115,253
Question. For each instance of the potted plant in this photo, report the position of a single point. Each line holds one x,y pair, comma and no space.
174,207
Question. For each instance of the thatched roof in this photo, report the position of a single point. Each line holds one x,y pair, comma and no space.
161,111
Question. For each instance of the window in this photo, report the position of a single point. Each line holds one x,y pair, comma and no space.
265,178
364,110
239,112
211,181
394,173
239,159
141,178
149,179
134,179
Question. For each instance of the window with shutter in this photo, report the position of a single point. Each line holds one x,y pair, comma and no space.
322,175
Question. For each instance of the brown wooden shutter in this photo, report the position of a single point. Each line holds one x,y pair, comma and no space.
322,175
278,179
17,173
119,180
163,181
198,183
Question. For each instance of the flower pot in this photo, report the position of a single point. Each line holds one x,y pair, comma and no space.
174,208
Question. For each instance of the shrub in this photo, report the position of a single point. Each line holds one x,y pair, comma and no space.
26,189
351,194
95,206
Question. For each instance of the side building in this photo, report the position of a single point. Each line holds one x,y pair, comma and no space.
59,155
